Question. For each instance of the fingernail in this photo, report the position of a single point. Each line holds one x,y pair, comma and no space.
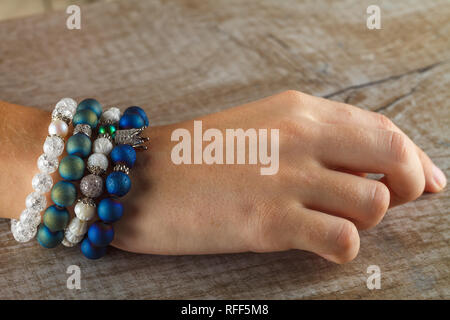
439,177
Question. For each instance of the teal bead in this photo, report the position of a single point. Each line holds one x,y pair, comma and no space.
86,116
49,239
71,168
56,219
92,105
79,144
64,194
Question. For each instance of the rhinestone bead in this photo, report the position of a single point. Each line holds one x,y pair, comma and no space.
53,146
22,233
30,218
42,182
97,163
91,186
36,201
83,128
102,145
47,164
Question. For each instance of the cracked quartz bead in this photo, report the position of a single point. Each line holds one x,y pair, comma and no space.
97,162
47,164
53,146
91,186
42,182
102,145
112,115
85,210
36,201
66,107
77,227
30,218
22,233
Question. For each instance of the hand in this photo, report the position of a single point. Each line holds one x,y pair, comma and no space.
317,201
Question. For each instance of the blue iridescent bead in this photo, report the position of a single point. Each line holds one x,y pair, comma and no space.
71,168
79,144
55,218
86,116
118,183
109,210
123,153
139,111
92,105
49,239
64,194
100,234
90,251
130,121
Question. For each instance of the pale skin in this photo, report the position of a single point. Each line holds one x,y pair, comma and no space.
317,201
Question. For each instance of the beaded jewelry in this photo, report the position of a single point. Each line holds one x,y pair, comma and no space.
92,184
72,167
25,228
118,183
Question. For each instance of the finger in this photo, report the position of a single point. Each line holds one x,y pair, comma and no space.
375,151
435,179
363,201
331,237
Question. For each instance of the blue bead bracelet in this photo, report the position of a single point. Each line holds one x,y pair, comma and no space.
118,183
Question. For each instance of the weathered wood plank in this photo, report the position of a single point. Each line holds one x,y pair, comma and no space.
182,59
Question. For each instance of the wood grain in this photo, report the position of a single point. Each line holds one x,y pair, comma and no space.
182,59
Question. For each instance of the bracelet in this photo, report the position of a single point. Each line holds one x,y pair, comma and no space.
118,183
97,165
51,232
25,228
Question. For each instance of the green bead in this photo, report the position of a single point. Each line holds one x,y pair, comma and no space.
64,194
71,168
79,144
102,130
92,105
55,218
112,130
85,116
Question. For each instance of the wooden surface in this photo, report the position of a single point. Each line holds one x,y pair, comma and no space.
182,59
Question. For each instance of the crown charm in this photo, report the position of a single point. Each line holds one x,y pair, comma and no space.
131,137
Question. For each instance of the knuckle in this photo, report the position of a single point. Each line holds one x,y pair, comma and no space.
293,96
347,242
384,122
398,147
265,229
378,206
291,129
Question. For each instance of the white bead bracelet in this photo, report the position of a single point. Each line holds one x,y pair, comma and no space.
25,228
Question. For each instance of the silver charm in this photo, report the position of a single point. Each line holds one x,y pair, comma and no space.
105,135
83,128
121,167
131,137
